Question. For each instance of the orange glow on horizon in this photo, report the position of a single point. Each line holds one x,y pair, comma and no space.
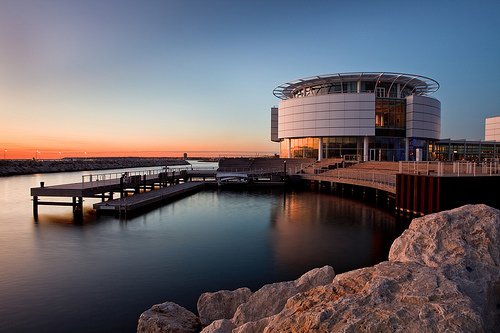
40,154
52,150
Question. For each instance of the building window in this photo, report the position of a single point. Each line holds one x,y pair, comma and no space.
349,87
303,147
390,113
343,146
380,92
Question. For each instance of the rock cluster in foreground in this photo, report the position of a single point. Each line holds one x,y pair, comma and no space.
443,274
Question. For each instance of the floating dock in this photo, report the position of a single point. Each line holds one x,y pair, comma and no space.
144,200
159,182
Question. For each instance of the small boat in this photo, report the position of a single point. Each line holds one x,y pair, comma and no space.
231,178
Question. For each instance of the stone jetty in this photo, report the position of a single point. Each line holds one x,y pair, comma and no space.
442,275
22,167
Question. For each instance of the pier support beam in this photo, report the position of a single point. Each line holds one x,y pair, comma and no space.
121,187
78,207
35,207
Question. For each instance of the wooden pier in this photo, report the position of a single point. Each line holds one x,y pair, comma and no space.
143,200
106,186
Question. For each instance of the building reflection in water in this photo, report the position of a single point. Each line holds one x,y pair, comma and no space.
316,229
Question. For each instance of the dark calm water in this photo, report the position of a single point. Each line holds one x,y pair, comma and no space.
98,276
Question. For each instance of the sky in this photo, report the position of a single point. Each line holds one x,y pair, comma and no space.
163,77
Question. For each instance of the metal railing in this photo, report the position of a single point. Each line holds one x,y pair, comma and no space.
421,167
112,178
458,168
258,171
361,176
316,168
366,176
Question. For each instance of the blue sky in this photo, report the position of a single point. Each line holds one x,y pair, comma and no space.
198,75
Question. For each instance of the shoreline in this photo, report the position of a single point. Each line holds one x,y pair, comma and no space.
27,167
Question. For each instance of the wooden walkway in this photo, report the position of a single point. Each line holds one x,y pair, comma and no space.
147,199
87,189
374,180
105,186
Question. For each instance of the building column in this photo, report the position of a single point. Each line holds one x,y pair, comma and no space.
320,149
289,148
479,157
365,149
358,87
407,148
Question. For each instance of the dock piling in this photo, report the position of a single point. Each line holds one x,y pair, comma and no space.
78,207
35,207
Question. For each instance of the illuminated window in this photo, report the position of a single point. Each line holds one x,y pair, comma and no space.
390,113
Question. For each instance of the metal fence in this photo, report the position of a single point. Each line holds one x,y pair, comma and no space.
359,177
112,178
459,168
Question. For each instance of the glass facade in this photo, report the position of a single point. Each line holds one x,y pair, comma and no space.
415,145
390,113
303,147
387,149
450,150
380,148
342,146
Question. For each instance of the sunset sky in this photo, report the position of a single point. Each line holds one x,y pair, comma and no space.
166,77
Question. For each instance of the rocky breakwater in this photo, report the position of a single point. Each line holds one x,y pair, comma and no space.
22,167
443,274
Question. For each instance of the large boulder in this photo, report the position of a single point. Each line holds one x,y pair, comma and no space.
464,244
168,317
220,326
271,298
221,304
389,297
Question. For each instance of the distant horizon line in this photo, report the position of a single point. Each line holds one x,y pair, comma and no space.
175,154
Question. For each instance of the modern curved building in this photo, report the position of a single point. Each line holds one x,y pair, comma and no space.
368,116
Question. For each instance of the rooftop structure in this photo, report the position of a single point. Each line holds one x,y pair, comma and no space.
387,84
